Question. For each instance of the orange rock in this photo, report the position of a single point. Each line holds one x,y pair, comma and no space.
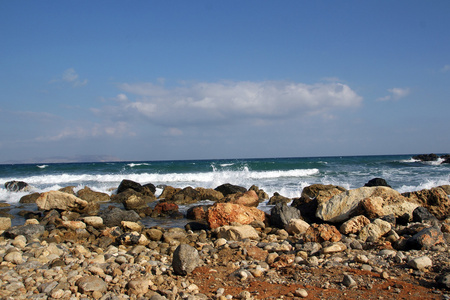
249,198
221,214
323,232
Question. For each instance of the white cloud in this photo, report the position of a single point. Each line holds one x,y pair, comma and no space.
71,76
395,94
197,103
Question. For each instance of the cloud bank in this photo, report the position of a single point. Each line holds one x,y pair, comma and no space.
230,101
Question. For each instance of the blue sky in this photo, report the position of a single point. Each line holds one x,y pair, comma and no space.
151,80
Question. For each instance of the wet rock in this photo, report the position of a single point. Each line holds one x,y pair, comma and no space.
281,214
354,225
185,259
377,182
321,233
209,194
261,194
17,186
165,208
426,157
227,189
237,233
221,214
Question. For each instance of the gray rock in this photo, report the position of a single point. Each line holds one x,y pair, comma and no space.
348,281
115,216
30,231
185,259
281,214
420,263
444,281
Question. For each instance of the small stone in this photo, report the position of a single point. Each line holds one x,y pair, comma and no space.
301,293
14,257
385,275
185,259
348,281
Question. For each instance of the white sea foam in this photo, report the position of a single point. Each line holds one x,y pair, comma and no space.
42,166
132,165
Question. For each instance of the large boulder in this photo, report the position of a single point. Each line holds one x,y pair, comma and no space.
187,195
261,194
426,238
435,200
227,189
63,201
426,157
221,214
281,214
276,198
92,196
311,197
168,192
30,198
345,205
5,223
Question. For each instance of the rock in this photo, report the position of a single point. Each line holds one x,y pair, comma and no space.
426,157
348,281
209,194
63,201
422,215
197,213
301,293
261,194
17,186
133,226
29,231
134,202
227,189
5,223
435,200
281,214
31,198
92,196
347,204
249,198
446,188
91,284
165,208
157,297
420,263
114,217
323,232
373,207
426,238
377,182
444,281
277,198
93,221
153,234
133,238
237,233
336,247
129,184
185,259
354,225
73,225
297,226
311,197
138,286
14,257
374,230
168,192
221,214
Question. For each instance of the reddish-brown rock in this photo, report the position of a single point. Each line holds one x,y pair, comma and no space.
221,214
321,233
354,225
165,208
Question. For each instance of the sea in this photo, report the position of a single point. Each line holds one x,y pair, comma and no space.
286,176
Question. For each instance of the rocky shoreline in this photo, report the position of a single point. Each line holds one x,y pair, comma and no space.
331,243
